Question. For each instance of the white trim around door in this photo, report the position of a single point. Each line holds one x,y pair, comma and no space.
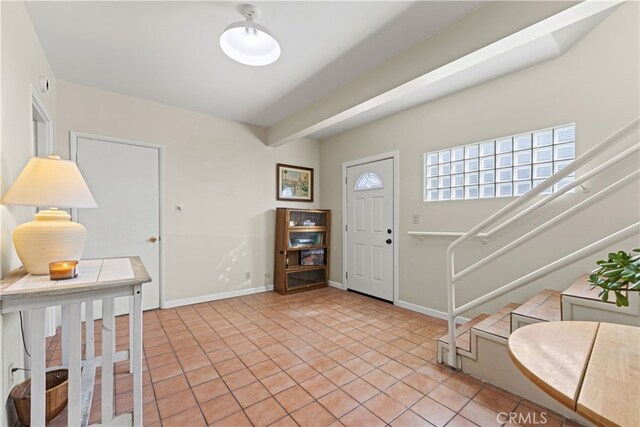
395,155
43,135
42,146
73,150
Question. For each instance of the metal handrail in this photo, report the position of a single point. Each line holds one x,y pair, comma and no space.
626,232
521,202
554,179
564,215
578,182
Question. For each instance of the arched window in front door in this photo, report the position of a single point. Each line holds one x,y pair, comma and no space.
368,181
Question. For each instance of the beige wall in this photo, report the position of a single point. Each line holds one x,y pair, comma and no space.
23,62
595,85
218,168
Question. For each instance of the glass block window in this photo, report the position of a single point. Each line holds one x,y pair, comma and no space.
371,181
504,167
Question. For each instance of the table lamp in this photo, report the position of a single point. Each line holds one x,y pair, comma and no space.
54,183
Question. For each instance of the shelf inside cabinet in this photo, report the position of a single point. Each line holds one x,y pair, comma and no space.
303,248
302,276
307,218
302,228
306,258
297,268
304,284
306,238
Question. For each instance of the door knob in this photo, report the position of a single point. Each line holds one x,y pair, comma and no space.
153,239
388,241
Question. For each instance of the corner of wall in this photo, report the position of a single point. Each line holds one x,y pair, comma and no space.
23,63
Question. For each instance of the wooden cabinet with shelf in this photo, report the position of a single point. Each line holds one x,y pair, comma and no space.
301,249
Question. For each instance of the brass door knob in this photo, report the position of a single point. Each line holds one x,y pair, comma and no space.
153,239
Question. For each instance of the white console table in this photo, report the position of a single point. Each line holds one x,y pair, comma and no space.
98,279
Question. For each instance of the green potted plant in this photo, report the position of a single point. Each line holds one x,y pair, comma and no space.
620,273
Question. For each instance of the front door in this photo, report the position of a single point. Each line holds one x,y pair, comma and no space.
370,234
124,180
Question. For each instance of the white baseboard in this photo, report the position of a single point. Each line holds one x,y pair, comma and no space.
337,285
214,297
429,311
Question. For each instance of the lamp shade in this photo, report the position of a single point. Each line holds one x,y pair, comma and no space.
50,182
54,183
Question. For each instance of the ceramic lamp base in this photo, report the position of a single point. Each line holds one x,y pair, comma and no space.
51,237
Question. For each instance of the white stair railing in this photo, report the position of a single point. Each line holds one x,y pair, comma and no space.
527,204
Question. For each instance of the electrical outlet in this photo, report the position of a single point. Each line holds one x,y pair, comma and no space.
416,219
247,275
267,274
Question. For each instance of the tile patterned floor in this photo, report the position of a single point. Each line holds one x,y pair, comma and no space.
320,358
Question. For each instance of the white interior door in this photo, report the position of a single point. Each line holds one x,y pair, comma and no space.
124,180
370,234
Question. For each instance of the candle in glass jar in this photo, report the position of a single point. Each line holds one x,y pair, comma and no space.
61,270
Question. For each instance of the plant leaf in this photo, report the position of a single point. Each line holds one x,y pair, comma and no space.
621,300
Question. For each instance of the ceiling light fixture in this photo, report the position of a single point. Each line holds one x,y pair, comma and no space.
248,42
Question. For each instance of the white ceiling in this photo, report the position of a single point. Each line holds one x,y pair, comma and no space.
168,51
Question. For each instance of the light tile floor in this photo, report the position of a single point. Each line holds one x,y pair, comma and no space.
319,358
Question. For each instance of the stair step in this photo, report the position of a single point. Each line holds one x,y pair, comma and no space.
545,307
581,288
463,334
499,323
580,302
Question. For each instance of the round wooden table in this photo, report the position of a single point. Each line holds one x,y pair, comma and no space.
592,368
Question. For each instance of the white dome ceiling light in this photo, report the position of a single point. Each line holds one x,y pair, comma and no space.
248,42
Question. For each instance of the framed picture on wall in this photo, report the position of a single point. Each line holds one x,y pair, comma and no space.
295,183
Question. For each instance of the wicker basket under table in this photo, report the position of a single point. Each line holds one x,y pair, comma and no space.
55,397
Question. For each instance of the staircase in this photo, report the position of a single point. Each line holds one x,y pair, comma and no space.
482,342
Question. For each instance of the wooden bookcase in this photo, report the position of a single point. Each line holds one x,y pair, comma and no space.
301,250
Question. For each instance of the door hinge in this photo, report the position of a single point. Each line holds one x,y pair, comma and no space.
346,227
346,274
345,181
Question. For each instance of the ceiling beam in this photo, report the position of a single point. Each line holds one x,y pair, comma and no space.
537,43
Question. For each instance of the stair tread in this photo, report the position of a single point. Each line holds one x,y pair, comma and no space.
468,325
581,288
543,306
499,323
463,334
